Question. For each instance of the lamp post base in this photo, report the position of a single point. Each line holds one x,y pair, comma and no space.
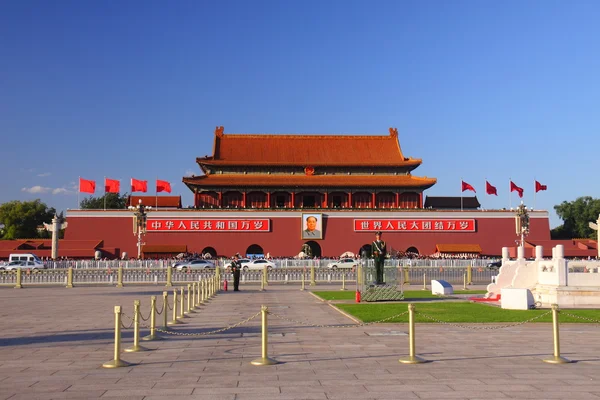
557,360
264,361
413,360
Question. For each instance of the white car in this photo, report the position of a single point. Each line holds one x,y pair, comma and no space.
343,263
195,264
243,261
258,264
23,265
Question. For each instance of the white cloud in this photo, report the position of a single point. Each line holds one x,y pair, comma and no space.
189,172
61,191
45,174
36,189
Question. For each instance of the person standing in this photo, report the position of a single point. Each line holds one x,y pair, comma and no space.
378,252
236,268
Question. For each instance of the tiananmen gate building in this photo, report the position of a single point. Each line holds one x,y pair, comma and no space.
272,194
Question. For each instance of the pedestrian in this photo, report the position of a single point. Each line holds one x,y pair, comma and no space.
378,251
236,268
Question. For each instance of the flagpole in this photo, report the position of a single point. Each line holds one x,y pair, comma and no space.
461,194
79,194
534,193
156,192
105,193
509,192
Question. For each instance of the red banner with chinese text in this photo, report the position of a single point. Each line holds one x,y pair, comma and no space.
415,225
208,225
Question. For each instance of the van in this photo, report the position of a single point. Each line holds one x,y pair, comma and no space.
28,259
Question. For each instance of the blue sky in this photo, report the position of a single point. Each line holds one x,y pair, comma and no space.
477,89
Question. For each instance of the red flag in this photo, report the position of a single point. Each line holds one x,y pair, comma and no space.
86,186
112,185
515,188
489,189
539,186
466,186
139,186
163,186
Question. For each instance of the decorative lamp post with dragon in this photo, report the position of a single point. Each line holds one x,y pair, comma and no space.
522,223
140,213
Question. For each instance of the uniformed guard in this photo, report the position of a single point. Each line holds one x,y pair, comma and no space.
236,268
378,252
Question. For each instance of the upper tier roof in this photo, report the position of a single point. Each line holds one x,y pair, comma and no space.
263,180
307,150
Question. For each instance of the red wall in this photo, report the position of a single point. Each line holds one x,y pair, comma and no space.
284,238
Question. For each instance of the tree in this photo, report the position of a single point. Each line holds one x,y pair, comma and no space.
22,218
113,201
576,216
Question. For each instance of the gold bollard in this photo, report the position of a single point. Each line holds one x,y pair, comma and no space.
343,281
424,281
313,282
556,359
165,326
264,360
169,277
302,287
152,335
265,278
117,362
412,358
181,304
175,321
203,290
136,330
69,278
469,275
406,277
196,296
464,281
262,285
188,307
120,277
19,276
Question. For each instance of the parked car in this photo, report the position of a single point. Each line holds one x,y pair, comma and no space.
194,264
343,263
495,265
258,264
23,265
243,261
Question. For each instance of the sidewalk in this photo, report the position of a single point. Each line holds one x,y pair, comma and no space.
55,340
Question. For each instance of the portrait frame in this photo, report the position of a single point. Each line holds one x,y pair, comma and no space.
317,234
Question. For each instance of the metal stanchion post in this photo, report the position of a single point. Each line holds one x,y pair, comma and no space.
464,281
175,321
165,310
313,282
203,290
406,277
181,304
412,358
136,329
262,285
469,275
19,276
343,281
117,362
556,359
69,278
120,277
190,296
265,277
302,287
152,335
169,276
264,360
424,280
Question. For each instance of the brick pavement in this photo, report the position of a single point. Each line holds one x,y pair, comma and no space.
54,341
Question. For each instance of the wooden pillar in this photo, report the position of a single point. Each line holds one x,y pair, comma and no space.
373,200
326,200
268,199
397,200
293,200
244,199
421,200
350,200
220,200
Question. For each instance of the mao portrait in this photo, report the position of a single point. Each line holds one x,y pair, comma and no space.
312,226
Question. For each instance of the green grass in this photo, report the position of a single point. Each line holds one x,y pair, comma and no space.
408,294
457,312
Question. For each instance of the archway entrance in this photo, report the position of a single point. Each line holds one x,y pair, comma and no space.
365,251
412,251
209,250
255,250
315,248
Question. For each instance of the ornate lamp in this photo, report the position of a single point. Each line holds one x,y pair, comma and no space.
139,223
522,223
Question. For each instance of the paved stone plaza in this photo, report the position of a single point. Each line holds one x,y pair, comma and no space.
54,341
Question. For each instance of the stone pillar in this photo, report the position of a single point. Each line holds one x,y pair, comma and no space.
520,252
539,253
55,228
561,265
505,254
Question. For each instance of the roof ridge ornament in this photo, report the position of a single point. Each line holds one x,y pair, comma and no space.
394,132
219,131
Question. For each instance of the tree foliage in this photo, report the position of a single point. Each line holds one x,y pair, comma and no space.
576,216
113,201
22,218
